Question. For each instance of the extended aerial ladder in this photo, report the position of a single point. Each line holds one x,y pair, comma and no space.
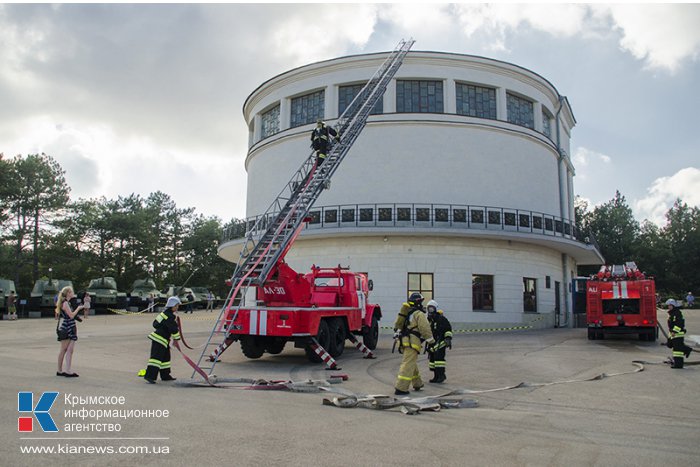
270,238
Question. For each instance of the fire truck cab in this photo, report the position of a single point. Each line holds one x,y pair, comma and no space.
620,299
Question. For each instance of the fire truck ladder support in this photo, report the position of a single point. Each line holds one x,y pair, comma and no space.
272,235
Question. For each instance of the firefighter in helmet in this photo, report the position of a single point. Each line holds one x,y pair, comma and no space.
320,140
165,328
442,333
676,333
411,329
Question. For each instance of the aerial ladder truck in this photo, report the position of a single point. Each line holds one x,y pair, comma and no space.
319,310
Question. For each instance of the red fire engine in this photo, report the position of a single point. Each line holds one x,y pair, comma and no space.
621,299
325,307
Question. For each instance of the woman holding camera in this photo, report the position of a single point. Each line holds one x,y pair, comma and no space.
66,330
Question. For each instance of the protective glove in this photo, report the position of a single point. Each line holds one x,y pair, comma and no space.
448,342
397,334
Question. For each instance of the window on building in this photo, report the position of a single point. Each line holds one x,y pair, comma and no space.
546,123
270,122
476,101
421,282
482,292
307,108
520,111
417,96
347,93
529,295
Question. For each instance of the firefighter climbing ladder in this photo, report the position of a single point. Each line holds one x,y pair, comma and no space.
268,241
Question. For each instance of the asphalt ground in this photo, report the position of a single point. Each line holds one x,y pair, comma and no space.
645,418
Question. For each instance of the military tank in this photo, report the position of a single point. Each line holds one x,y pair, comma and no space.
104,294
6,286
140,291
44,295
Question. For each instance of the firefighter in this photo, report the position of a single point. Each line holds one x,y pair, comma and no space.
676,333
320,140
411,329
166,327
442,333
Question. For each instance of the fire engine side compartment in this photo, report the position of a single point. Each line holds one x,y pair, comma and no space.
289,322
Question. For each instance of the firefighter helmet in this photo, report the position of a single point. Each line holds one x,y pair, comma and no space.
416,298
432,306
172,301
672,302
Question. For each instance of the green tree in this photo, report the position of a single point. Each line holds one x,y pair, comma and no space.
683,233
38,195
615,229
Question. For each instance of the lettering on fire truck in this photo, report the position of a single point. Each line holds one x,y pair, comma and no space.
275,290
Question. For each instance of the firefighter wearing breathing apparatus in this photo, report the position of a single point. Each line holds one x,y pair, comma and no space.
321,139
442,333
676,333
411,329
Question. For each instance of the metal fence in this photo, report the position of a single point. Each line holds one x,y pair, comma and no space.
444,216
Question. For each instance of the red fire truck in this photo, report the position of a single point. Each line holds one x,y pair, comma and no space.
328,305
621,299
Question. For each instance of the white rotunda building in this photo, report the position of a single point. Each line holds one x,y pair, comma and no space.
459,187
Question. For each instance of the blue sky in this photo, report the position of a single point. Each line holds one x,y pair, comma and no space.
139,98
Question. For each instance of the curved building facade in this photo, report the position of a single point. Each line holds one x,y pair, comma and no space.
459,187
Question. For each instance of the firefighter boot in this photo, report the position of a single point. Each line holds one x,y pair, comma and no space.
677,362
440,372
435,376
687,351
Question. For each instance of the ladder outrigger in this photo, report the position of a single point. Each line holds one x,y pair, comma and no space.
268,241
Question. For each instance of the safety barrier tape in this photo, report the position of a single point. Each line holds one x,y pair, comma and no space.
127,313
460,331
508,328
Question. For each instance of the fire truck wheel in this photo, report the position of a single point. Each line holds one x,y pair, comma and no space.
337,337
275,346
371,336
323,339
251,347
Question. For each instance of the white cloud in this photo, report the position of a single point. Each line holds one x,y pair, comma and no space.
684,184
316,32
98,161
663,35
587,161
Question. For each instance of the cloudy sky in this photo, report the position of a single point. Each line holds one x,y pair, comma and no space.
139,98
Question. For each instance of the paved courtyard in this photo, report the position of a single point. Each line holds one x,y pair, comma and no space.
645,418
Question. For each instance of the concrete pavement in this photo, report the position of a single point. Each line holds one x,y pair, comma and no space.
642,419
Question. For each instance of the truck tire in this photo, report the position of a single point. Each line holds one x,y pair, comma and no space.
275,346
370,336
251,347
337,337
323,339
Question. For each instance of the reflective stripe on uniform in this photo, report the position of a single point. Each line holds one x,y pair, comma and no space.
154,362
161,317
405,378
176,336
678,354
158,338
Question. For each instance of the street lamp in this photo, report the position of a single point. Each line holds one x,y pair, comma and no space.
50,276
103,275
